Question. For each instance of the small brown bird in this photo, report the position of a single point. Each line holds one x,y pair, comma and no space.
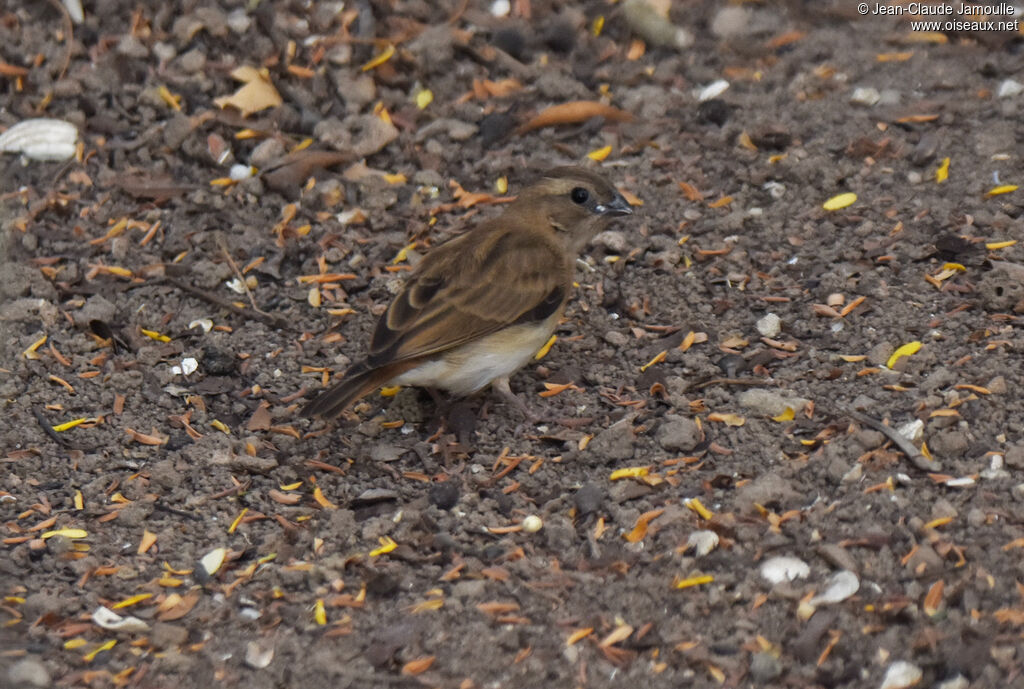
479,306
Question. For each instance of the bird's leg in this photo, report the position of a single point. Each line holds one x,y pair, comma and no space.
440,408
500,385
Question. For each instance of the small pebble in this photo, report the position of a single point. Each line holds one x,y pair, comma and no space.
712,90
764,668
1009,88
784,568
532,524
901,674
28,672
770,325
444,495
588,498
865,96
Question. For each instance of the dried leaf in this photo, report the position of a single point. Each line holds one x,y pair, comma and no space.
572,113
640,528
727,419
257,93
418,666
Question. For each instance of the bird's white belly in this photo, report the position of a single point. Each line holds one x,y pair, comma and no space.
474,365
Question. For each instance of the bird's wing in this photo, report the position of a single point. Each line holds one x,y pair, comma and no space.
470,287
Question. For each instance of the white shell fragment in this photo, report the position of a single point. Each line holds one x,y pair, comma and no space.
713,90
41,139
841,586
912,430
901,674
865,96
205,323
108,619
239,172
702,542
963,482
188,366
74,8
258,655
1010,88
213,560
779,569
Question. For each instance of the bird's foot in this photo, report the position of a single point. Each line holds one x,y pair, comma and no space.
502,388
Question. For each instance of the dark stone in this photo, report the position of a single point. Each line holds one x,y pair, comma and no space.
495,127
560,36
588,498
714,111
218,362
512,41
444,495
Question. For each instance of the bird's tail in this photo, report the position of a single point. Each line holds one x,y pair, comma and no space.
359,381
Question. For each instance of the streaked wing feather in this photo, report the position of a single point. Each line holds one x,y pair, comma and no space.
464,294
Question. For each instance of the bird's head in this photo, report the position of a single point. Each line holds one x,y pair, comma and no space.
576,202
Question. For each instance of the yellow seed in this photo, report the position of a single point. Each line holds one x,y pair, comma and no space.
238,520
839,202
905,350
658,358
693,581
386,546
629,472
30,353
66,533
543,351
152,334
106,646
698,507
1002,189
133,600
68,425
380,58
787,415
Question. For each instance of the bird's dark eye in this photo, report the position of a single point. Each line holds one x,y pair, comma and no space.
579,195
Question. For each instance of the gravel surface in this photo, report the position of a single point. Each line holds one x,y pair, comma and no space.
783,440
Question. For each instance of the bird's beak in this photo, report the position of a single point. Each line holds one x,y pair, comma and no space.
618,206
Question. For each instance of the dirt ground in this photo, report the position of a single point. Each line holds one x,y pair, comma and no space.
823,254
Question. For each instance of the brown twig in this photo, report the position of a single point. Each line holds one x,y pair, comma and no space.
265,318
238,274
730,381
458,13
905,446
48,429
69,38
